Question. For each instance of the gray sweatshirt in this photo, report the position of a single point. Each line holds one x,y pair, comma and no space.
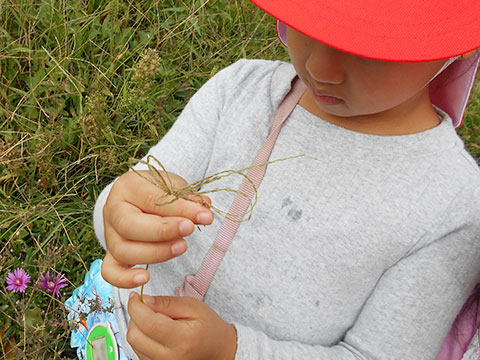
366,252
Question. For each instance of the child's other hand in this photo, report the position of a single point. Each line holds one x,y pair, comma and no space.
173,328
139,232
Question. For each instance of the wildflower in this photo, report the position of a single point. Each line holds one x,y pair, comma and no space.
147,67
52,283
17,280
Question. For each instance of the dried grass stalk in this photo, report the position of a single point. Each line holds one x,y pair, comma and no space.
172,194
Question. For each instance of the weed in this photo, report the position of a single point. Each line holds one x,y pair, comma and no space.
84,86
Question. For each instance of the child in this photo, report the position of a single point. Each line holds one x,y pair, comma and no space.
366,252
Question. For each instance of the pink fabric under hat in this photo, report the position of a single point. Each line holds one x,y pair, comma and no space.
449,90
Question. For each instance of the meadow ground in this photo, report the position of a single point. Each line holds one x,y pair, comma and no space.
84,86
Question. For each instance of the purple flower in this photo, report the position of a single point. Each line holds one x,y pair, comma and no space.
52,283
18,280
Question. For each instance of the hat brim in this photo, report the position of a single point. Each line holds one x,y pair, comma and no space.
389,30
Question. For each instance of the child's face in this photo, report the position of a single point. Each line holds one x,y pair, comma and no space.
342,85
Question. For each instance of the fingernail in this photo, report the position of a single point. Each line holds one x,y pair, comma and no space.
179,248
204,218
132,294
186,228
148,299
139,279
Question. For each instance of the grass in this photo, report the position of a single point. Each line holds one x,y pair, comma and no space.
84,85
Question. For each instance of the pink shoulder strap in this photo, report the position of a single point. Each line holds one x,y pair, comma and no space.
197,286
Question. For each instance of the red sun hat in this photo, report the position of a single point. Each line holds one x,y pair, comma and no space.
395,30
391,30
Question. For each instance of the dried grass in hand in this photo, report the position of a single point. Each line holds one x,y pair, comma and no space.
160,178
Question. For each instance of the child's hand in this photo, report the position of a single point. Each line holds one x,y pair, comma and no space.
139,232
178,328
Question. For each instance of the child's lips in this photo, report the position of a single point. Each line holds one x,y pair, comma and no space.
326,98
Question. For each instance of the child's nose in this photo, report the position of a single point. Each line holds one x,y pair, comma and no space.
325,65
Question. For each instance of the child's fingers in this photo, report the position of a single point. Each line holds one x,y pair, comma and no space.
142,356
190,209
146,227
175,307
133,224
144,346
122,276
154,200
139,252
157,326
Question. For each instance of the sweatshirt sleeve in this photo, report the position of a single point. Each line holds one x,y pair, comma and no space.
186,148
411,309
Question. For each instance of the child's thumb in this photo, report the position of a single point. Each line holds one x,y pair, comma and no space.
173,306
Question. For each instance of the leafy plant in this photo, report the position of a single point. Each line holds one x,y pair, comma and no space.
84,86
